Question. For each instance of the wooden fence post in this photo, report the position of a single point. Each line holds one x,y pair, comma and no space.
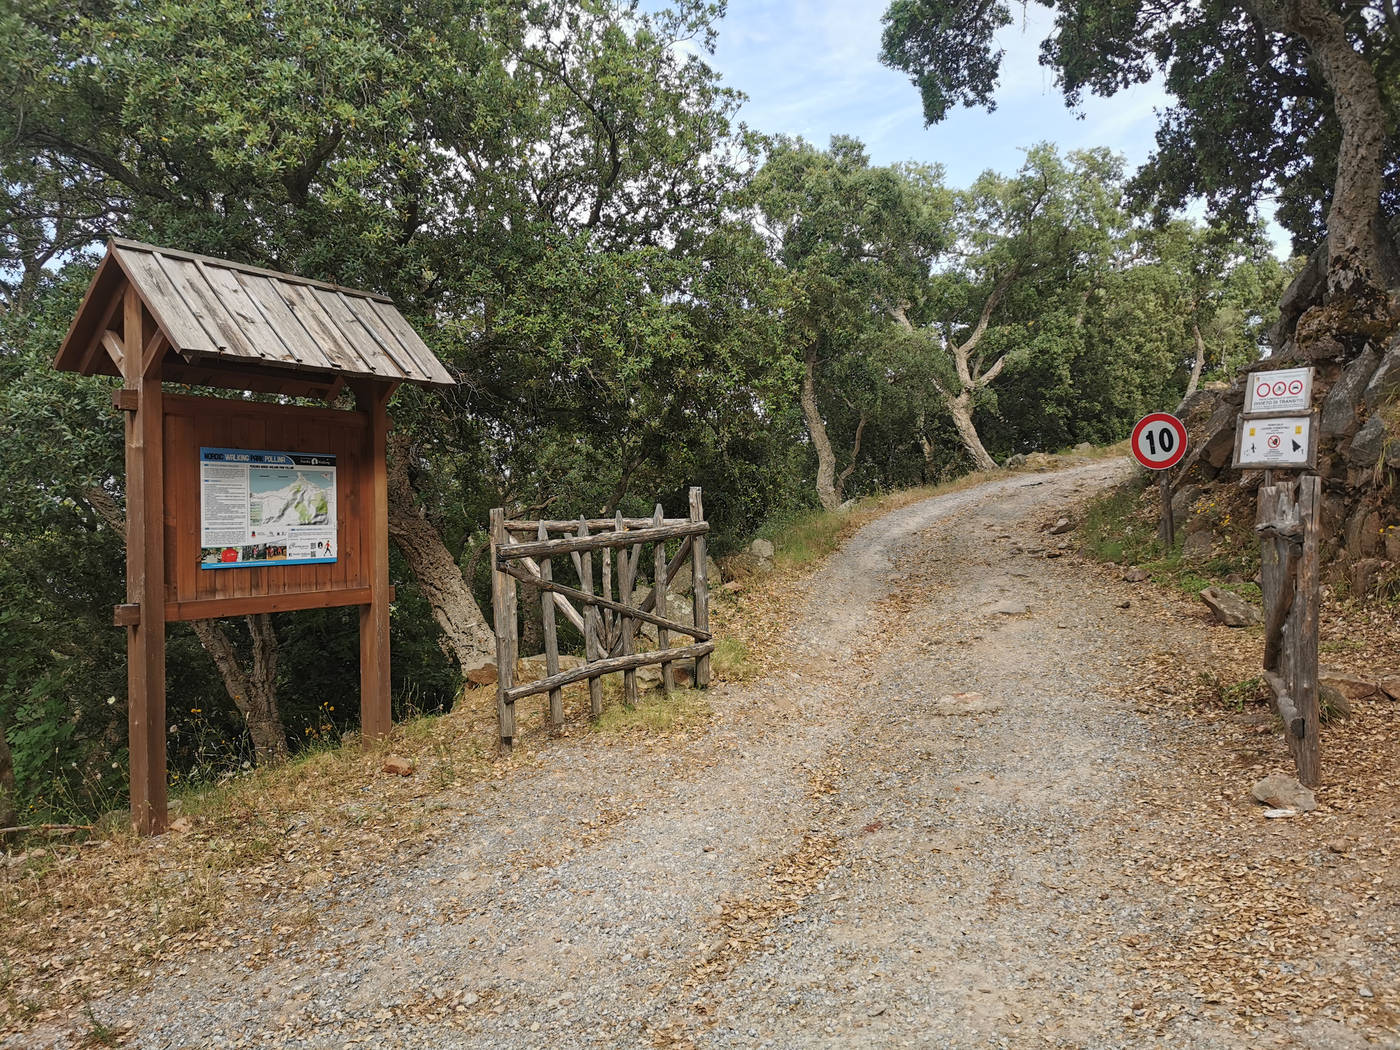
503,617
592,644
145,570
1308,755
626,581
376,697
700,586
1288,524
658,590
551,636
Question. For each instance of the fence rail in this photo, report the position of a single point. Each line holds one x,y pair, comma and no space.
523,551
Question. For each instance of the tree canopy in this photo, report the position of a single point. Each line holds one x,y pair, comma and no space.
1274,98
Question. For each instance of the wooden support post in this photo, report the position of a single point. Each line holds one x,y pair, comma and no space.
1307,755
608,636
658,593
592,644
376,698
1168,519
626,577
1288,524
503,619
701,587
551,637
145,571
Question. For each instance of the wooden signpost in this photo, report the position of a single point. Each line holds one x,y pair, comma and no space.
237,507
1277,431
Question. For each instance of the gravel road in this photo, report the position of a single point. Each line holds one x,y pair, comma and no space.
925,829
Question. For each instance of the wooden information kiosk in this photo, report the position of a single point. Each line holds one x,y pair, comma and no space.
235,506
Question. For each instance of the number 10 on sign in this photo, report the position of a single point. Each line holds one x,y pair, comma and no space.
1159,441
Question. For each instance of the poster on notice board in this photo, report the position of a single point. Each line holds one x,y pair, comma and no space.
265,508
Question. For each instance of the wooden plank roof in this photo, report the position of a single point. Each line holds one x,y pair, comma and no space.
213,310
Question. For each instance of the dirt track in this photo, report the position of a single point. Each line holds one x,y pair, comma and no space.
942,824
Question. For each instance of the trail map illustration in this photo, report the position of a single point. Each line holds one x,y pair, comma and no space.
265,508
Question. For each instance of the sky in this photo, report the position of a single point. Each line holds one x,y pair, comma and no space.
811,68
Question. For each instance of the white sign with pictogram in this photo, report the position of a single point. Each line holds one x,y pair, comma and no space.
1159,441
1283,390
1279,441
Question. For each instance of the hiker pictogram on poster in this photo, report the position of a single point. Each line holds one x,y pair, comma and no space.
265,508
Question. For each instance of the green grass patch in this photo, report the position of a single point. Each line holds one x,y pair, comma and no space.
731,660
803,537
1113,530
655,713
1121,527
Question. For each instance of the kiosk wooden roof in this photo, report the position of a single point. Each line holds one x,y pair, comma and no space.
227,324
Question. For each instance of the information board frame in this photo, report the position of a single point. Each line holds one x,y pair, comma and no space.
1261,461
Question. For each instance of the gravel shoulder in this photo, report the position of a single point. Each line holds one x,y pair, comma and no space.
949,818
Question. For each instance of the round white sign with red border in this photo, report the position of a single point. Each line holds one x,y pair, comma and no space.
1159,441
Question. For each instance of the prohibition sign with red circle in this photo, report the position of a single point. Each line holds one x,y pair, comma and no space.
1159,441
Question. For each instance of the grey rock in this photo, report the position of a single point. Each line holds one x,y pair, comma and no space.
684,576
1365,575
1280,791
1197,403
1137,576
1385,383
1339,407
1362,533
1306,290
762,548
1011,608
1184,500
1060,527
1084,446
957,704
1198,545
1018,460
1334,705
1229,608
1218,442
1369,443
1354,687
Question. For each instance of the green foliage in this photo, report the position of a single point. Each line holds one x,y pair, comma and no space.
1253,116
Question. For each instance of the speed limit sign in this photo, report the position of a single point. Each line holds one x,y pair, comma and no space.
1159,441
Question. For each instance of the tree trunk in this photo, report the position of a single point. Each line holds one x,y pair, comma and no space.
960,408
827,490
471,641
8,794
926,447
254,690
1356,259
1198,364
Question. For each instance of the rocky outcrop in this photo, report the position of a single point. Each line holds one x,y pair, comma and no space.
1356,388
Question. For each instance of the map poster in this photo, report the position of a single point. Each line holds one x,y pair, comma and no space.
265,508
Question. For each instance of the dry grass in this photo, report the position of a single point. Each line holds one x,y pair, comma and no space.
80,919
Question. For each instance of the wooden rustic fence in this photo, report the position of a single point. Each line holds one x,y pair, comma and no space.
1288,524
524,551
